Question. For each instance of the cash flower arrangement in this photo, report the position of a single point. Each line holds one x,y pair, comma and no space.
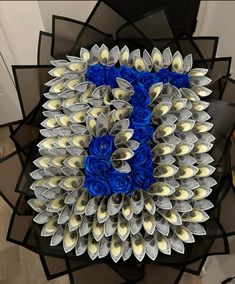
124,167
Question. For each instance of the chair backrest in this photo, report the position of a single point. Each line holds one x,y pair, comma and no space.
30,80
70,35
180,14
44,48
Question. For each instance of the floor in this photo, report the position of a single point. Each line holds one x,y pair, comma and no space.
16,262
6,144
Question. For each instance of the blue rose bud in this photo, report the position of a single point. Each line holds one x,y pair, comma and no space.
97,185
101,147
142,157
143,176
120,182
140,97
140,116
143,134
96,166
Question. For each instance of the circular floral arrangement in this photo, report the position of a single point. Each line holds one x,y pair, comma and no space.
124,166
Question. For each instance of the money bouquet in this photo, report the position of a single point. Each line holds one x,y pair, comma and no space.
124,167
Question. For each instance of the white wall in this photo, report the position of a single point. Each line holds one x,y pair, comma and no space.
9,103
20,23
217,18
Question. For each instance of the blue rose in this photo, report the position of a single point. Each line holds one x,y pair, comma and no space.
97,185
111,74
143,176
162,75
140,116
96,166
97,74
179,80
128,74
120,182
140,97
101,147
143,134
143,156
146,79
